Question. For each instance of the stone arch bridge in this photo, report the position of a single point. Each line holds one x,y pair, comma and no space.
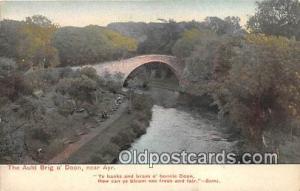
127,66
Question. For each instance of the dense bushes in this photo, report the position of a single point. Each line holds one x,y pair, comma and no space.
262,86
38,42
9,38
276,17
82,89
64,103
140,102
12,82
90,73
35,43
113,83
91,44
253,78
161,37
44,79
13,86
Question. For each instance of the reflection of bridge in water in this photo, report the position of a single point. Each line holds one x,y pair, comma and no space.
127,66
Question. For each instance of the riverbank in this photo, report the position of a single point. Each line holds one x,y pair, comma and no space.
123,129
118,135
62,109
191,123
74,147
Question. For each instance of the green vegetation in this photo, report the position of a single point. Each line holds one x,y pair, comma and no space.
160,39
35,47
37,42
29,42
12,82
277,17
136,124
261,88
190,38
91,44
252,76
40,119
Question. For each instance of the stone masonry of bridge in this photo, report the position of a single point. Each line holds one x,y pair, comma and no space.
126,66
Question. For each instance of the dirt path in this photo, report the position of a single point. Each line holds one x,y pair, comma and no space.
84,139
101,145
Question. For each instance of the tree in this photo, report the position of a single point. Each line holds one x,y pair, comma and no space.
196,48
224,51
121,42
83,89
161,37
276,17
91,44
263,84
230,25
90,72
7,67
233,25
39,20
35,46
189,40
12,83
9,38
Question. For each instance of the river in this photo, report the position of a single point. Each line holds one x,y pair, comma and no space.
177,129
177,126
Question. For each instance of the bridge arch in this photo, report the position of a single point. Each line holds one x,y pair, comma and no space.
174,71
127,66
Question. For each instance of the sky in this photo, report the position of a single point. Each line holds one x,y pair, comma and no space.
100,12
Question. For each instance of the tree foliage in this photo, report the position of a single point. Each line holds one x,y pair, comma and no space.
161,37
91,44
9,38
190,39
229,26
120,41
263,84
253,78
35,46
12,83
277,17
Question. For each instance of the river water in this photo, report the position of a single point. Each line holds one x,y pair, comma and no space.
177,129
178,125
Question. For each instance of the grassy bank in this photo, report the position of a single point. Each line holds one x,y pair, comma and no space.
51,110
105,147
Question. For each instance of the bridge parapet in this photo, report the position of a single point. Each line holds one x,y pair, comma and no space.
127,66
